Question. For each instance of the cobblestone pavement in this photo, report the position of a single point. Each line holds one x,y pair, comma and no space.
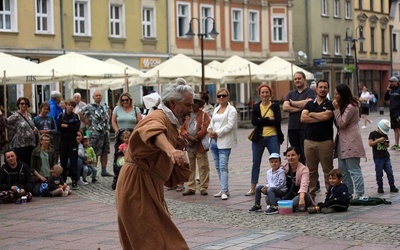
87,219
373,224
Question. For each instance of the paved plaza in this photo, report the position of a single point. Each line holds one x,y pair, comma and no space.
87,218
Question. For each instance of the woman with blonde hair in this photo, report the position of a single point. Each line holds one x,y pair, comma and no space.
223,134
125,116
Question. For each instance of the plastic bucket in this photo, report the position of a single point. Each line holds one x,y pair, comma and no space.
285,207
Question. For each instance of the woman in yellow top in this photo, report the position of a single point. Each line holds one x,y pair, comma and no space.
266,117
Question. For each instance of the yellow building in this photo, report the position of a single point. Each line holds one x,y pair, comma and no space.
374,53
133,32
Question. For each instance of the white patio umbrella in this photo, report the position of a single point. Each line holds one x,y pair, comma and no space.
239,70
283,69
179,66
18,70
113,84
75,66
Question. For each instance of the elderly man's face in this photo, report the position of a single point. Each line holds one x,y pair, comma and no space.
77,98
183,108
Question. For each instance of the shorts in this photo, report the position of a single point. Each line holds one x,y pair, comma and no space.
100,144
365,111
394,121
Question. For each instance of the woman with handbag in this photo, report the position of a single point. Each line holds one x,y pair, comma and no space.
266,117
364,99
223,134
22,132
195,132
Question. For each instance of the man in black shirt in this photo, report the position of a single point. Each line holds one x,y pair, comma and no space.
318,145
393,95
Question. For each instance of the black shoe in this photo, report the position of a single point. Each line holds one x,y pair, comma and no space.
75,186
255,208
380,190
94,181
272,210
106,174
394,189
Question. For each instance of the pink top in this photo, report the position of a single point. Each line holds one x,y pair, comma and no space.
302,176
122,148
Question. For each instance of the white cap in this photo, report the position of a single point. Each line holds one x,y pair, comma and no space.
274,156
151,100
384,126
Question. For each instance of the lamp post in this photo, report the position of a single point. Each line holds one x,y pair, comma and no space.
349,39
190,34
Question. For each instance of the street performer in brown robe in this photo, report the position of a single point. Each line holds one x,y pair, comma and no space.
154,158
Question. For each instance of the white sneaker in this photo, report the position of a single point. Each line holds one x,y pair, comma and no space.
81,182
217,195
224,196
363,127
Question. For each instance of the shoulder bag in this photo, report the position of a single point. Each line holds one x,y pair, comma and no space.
205,141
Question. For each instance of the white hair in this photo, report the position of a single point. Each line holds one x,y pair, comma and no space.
54,94
175,92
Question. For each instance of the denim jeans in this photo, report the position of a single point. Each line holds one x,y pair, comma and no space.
352,174
381,165
221,159
272,194
272,144
296,139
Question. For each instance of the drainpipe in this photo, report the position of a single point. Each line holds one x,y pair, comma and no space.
391,49
62,25
168,31
307,34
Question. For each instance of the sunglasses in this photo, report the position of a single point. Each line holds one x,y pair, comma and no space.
222,96
124,100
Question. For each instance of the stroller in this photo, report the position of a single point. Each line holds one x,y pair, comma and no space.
118,157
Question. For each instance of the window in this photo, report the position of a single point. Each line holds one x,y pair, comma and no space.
206,24
82,18
336,8
383,41
337,45
254,35
347,9
348,49
8,15
44,16
372,39
394,42
361,35
237,25
325,44
117,21
148,23
278,29
324,10
183,19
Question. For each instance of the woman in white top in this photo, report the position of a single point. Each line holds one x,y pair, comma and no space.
223,134
364,99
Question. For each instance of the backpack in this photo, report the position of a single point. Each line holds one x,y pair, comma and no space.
369,201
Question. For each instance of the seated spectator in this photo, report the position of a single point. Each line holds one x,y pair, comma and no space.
56,184
43,157
300,178
15,179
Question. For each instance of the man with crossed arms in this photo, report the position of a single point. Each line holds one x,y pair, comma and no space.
318,145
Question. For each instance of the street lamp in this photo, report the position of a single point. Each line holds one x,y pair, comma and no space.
213,33
349,39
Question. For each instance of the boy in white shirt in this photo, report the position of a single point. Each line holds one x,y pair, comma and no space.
275,186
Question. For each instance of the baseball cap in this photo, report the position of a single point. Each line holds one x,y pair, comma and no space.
274,156
393,79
